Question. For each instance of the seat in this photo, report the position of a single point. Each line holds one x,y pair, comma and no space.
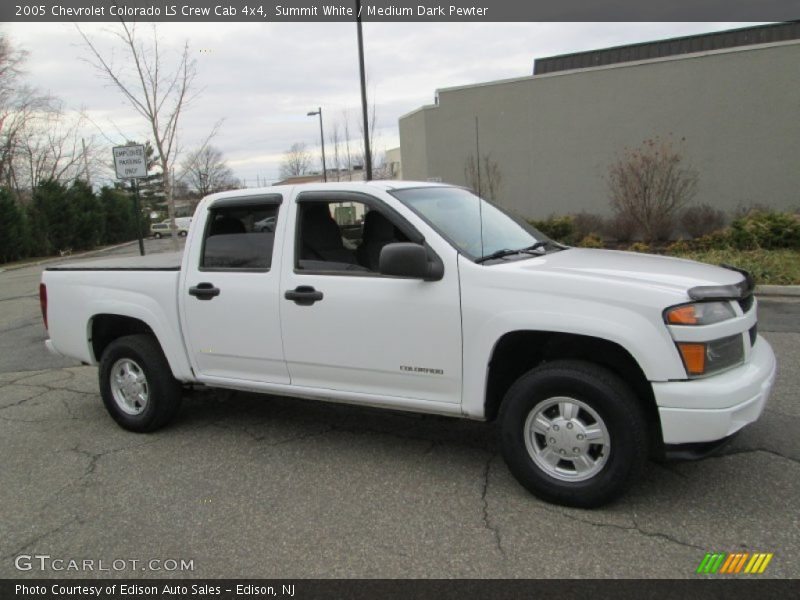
321,237
378,231
226,225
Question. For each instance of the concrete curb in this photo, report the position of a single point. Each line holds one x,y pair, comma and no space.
53,259
778,290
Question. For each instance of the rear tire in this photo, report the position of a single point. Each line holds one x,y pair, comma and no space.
137,385
157,236
573,433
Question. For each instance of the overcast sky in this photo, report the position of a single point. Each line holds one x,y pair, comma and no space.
262,79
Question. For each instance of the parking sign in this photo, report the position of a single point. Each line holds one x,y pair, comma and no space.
130,162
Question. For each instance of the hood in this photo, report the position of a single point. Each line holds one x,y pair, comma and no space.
641,270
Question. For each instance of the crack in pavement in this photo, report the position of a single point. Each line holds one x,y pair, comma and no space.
664,536
41,536
633,528
52,388
735,451
24,400
94,457
31,374
487,521
17,327
19,297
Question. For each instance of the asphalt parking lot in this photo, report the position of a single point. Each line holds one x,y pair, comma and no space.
255,486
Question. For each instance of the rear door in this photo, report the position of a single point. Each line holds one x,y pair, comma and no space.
230,292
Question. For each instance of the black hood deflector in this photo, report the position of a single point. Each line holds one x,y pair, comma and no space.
736,291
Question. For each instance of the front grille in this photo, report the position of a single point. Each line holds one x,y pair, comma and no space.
746,303
753,334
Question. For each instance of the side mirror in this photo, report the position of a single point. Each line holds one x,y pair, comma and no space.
405,259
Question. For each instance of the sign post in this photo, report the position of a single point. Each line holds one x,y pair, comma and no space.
130,162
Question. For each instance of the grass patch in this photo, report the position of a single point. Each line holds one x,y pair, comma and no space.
768,267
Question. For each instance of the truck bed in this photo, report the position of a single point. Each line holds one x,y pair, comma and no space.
142,287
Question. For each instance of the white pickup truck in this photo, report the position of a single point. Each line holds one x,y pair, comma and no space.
423,297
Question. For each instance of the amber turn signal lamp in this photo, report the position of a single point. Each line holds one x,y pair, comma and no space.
683,315
694,358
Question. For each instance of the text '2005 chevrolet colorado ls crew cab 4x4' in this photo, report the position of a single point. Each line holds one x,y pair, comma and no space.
423,297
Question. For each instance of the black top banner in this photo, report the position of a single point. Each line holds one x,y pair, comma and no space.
398,10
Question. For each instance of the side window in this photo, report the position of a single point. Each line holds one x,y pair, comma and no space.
343,236
240,237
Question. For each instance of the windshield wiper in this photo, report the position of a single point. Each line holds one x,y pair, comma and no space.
527,250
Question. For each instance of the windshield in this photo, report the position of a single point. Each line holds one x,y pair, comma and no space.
455,213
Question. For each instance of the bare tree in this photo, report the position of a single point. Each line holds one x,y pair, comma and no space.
486,180
39,140
348,155
52,147
651,185
19,105
296,161
157,92
205,171
335,141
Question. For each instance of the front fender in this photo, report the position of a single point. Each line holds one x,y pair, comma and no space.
648,344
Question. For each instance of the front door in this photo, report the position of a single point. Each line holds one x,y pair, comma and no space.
346,327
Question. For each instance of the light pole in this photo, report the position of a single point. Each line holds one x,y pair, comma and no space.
314,113
362,72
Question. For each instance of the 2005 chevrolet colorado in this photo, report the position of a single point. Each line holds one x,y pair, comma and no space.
423,297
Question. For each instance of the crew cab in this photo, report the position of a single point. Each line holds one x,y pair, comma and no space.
424,297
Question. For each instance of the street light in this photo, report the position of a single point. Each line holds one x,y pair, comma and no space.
314,113
362,71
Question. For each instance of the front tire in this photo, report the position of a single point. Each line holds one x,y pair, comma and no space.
137,385
157,236
573,433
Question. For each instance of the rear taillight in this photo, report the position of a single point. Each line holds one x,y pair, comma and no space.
43,302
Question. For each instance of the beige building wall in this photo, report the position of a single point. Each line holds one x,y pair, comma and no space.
554,136
394,166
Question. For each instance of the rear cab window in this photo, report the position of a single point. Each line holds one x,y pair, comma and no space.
240,234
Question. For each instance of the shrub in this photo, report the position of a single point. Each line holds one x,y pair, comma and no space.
651,185
766,230
622,228
89,224
13,230
592,241
585,224
716,240
679,247
701,220
640,247
561,229
119,216
777,267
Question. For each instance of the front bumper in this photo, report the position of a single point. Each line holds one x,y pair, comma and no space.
706,410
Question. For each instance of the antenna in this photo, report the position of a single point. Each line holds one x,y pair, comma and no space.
478,161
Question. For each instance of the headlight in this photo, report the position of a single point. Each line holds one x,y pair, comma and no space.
705,358
700,313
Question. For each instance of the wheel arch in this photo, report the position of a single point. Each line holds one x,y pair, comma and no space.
517,352
104,328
